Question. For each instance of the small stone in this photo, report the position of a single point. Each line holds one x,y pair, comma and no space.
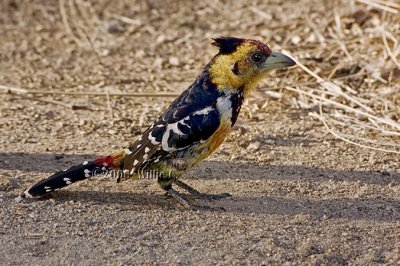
296,39
158,62
254,146
308,249
112,132
140,54
174,61
114,26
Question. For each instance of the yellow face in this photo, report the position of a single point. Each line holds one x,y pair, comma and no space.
245,65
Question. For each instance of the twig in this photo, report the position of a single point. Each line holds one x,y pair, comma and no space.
126,20
45,100
109,105
8,89
260,13
12,89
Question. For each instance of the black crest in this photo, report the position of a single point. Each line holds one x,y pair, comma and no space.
227,45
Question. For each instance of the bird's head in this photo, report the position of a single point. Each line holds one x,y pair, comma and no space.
241,63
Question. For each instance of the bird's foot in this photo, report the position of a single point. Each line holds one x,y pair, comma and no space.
179,197
185,202
195,192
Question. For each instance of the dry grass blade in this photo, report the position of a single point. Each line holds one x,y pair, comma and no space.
380,5
388,3
8,89
347,139
343,106
358,115
388,50
67,26
331,87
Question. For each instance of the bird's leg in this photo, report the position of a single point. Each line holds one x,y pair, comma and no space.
166,185
195,192
186,187
181,199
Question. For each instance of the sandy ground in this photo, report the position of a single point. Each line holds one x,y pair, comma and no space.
299,196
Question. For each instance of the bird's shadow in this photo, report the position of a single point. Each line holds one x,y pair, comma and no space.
370,208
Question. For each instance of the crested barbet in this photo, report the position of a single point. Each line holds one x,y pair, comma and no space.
193,126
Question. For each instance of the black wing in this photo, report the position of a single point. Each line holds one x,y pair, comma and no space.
191,118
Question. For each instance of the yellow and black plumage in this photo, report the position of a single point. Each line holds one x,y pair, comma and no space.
193,126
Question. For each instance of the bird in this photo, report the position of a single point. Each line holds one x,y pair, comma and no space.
191,128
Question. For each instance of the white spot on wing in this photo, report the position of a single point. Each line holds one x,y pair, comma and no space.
175,129
204,111
87,172
153,139
85,163
128,151
135,162
146,150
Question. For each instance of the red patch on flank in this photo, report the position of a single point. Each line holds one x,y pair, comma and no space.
109,160
262,47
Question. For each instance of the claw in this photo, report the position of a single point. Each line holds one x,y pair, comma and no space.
183,201
179,197
195,192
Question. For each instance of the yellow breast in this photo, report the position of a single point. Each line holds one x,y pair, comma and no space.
215,140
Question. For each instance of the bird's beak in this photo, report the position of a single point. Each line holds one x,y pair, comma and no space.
277,60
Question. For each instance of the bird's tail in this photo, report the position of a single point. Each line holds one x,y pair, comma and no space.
74,174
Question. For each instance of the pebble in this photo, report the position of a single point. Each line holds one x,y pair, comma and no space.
174,61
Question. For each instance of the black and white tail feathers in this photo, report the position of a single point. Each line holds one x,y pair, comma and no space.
74,174
61,179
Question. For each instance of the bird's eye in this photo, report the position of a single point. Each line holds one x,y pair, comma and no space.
258,57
